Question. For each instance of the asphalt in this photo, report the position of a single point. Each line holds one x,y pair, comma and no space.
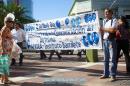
69,71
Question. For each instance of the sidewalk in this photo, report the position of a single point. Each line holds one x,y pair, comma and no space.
67,72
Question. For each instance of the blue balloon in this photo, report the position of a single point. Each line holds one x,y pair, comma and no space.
78,21
73,23
95,37
66,21
86,18
58,24
84,40
90,38
90,17
94,16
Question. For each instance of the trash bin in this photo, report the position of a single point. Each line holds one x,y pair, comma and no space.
92,55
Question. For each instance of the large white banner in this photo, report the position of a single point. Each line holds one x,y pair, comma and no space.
73,32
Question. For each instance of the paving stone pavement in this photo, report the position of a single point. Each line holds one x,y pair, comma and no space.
70,71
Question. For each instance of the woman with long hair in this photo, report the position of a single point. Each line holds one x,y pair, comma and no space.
122,36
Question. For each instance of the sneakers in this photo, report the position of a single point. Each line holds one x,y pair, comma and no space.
113,78
104,77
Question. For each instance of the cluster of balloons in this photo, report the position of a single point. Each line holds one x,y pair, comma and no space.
77,21
90,17
72,22
90,39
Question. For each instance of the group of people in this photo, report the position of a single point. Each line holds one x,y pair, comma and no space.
115,38
6,44
115,34
68,52
43,55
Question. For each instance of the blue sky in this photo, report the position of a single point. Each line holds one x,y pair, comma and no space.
51,9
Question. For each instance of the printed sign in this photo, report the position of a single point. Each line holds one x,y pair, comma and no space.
73,32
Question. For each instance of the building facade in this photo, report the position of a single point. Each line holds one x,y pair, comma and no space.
120,7
1,1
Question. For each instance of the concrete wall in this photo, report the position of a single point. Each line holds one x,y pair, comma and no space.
120,7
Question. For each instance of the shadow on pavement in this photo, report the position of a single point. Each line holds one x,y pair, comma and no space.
31,84
26,69
58,84
47,84
65,58
123,78
11,84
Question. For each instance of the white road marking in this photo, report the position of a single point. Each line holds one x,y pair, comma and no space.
20,78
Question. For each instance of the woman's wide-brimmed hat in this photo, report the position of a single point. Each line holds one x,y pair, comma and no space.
9,18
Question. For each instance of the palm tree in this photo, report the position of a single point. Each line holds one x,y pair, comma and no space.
19,12
2,14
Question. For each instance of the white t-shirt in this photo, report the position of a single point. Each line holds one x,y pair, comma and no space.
18,35
109,24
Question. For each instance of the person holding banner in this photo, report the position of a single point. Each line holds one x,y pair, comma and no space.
52,53
109,44
42,54
80,53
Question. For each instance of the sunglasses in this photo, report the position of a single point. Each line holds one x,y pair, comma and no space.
10,21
